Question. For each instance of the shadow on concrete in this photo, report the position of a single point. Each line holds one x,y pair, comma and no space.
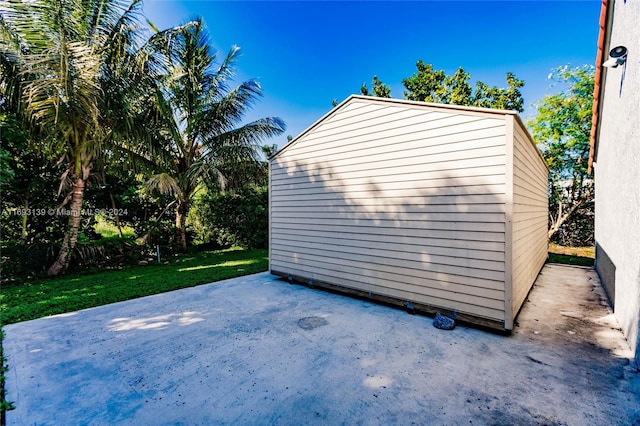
251,361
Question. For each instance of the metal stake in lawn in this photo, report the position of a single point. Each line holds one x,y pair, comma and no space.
158,251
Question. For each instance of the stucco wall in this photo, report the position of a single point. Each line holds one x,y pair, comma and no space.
617,174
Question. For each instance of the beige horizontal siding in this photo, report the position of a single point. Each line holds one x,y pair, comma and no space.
526,267
299,178
403,202
450,234
373,235
491,156
490,228
390,183
529,198
435,254
390,141
419,275
388,125
365,199
380,207
477,305
530,211
526,225
522,180
395,211
493,185
422,256
405,124
399,215
384,280
417,270
400,264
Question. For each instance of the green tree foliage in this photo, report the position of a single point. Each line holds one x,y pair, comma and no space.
269,150
232,218
494,97
6,172
427,85
198,136
380,90
430,85
562,129
31,183
67,68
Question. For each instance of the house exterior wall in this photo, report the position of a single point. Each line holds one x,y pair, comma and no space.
530,214
398,199
617,175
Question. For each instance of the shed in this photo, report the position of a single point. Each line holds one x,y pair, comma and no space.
441,206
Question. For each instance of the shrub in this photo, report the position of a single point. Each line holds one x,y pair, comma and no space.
232,218
21,262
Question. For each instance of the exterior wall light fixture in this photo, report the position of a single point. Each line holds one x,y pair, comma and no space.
617,56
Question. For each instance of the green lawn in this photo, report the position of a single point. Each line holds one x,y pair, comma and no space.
26,301
31,300
582,256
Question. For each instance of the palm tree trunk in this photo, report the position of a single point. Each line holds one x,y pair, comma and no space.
181,219
23,233
73,226
115,213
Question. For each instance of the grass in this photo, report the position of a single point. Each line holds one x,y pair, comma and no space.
581,256
4,404
37,299
108,230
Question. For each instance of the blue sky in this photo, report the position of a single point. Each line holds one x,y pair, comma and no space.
307,53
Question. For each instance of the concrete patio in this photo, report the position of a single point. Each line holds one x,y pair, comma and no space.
256,350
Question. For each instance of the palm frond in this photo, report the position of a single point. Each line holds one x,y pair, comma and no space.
154,56
218,83
226,113
244,140
202,171
163,184
10,65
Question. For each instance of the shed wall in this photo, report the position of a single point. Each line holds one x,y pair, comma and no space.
530,215
399,201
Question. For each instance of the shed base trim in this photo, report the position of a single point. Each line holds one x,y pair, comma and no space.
420,308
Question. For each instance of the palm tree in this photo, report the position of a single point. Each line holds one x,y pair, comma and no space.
69,66
199,137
